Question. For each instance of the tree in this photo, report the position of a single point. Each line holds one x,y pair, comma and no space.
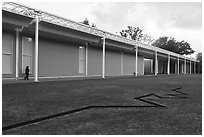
199,58
135,33
132,33
161,42
172,45
167,43
86,22
182,48
146,39
93,25
123,33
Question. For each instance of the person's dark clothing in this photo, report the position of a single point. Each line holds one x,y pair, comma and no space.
27,73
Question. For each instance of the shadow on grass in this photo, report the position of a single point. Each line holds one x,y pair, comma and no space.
178,95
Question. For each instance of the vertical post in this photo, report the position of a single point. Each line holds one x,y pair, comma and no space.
168,65
36,49
151,65
185,66
121,63
17,52
156,63
190,66
194,67
143,68
178,66
175,67
136,53
103,65
182,67
86,73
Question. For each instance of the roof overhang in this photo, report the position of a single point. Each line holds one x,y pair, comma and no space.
56,25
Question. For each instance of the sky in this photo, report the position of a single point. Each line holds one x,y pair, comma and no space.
181,20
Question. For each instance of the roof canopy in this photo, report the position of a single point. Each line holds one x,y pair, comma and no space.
60,21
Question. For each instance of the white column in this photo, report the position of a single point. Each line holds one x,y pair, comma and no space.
121,63
182,67
143,67
17,52
194,67
136,53
185,66
103,65
178,66
168,65
151,66
190,67
86,73
36,50
156,64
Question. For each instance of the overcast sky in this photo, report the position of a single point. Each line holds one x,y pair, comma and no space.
183,21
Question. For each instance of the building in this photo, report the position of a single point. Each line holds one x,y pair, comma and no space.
55,47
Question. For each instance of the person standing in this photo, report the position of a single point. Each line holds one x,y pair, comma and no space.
27,72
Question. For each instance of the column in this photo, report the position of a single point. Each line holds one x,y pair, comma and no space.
17,52
151,66
86,73
175,67
168,65
182,67
156,63
36,50
185,66
103,65
121,63
136,53
194,67
190,67
178,67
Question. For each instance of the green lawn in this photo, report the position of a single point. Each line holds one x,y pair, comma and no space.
24,102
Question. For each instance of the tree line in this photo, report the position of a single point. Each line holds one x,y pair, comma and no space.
167,43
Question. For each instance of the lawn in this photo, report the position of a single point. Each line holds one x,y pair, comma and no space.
110,106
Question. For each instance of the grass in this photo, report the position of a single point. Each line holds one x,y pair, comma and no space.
23,102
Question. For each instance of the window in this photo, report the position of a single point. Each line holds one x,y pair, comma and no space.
26,53
81,59
7,53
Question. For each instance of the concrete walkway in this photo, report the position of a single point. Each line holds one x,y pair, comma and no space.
31,80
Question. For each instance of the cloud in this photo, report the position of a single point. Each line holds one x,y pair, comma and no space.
111,15
182,21
181,15
164,15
